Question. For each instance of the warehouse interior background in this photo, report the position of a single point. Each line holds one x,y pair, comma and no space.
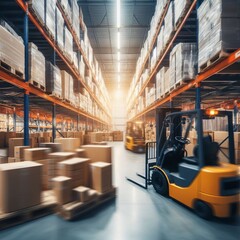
83,84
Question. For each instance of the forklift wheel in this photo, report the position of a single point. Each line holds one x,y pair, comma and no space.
203,210
159,182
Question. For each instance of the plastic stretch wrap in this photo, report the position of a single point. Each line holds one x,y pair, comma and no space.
154,58
75,18
11,50
71,93
159,8
59,29
160,82
179,8
65,85
53,79
36,65
219,28
68,44
183,59
67,9
39,9
75,59
160,42
50,16
169,23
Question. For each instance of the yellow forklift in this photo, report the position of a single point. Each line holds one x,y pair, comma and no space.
135,137
198,180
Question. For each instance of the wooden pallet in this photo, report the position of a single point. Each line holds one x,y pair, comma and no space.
37,85
48,206
75,209
214,60
7,67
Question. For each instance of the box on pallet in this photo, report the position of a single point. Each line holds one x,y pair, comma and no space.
19,152
101,176
20,186
62,189
81,194
38,8
68,44
11,52
69,144
169,23
76,169
98,153
59,29
33,154
50,7
36,65
55,147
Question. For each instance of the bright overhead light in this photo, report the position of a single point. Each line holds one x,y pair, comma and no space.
118,56
118,14
119,67
118,40
119,79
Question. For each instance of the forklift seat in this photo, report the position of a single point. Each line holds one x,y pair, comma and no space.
210,152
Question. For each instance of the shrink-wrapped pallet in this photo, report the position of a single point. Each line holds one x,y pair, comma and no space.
36,65
53,80
65,85
75,18
219,30
59,28
160,42
50,16
183,59
68,44
11,52
169,23
38,7
180,6
67,9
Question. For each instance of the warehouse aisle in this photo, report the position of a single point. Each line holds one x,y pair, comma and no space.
136,214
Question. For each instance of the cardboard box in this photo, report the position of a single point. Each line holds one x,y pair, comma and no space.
219,136
55,147
224,153
101,176
33,154
81,194
92,195
20,186
4,152
11,160
19,152
69,144
13,142
3,139
61,156
77,169
3,159
62,189
80,153
98,153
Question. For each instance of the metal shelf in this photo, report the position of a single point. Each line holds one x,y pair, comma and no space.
221,68
59,52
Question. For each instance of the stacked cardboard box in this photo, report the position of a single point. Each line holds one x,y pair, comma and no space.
98,153
180,7
52,164
19,152
12,50
117,135
69,144
34,154
101,176
36,65
219,28
55,147
13,142
20,186
150,133
76,169
68,44
39,9
75,18
169,23
183,60
59,29
53,80
62,189
50,7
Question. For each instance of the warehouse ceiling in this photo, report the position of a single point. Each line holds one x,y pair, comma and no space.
100,17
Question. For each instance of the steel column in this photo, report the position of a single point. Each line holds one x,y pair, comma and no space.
14,120
198,97
26,93
53,122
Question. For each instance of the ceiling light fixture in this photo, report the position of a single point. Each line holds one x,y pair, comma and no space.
118,14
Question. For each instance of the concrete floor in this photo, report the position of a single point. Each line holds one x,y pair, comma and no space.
136,214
